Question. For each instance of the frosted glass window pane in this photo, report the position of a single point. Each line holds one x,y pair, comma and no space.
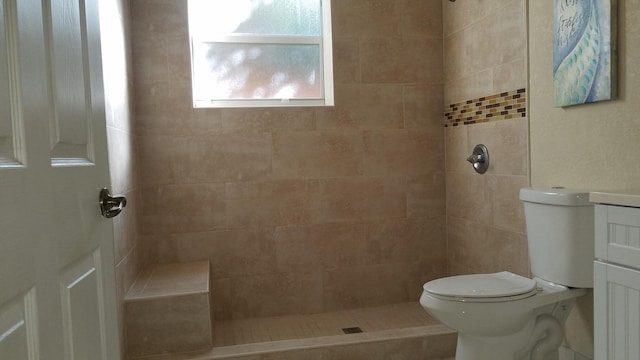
261,53
265,17
283,17
256,71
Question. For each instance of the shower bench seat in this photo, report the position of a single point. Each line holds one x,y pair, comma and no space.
167,310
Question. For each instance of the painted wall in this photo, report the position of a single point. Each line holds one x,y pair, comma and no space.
121,142
299,210
485,55
589,146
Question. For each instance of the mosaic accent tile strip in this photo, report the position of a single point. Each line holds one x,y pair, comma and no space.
503,106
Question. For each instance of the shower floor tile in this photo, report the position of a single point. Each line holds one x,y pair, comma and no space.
399,331
374,319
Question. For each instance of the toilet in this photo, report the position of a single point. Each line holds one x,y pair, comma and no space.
503,315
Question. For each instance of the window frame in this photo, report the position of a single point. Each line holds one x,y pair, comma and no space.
324,42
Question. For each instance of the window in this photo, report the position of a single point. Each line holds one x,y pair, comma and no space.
261,53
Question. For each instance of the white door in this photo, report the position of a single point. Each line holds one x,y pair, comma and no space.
57,286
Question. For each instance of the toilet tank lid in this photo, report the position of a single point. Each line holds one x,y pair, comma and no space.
556,196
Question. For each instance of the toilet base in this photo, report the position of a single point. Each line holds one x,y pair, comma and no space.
493,348
538,340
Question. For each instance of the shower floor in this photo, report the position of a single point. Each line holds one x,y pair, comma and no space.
403,331
374,319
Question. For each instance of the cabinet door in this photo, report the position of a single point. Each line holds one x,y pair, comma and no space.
617,234
617,312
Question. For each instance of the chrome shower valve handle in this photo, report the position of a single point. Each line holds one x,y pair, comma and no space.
479,158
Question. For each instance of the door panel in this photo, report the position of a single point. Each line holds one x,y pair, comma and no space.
67,50
11,141
83,327
18,330
57,281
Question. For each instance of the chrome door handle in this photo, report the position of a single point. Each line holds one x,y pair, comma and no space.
111,206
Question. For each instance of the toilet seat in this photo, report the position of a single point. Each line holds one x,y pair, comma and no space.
502,286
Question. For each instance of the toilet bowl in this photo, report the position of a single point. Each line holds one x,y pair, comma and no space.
505,316
496,314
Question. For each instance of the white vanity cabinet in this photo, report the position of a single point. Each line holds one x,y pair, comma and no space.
616,279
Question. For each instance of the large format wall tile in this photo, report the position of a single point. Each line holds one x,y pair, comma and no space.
282,201
271,203
277,294
182,208
357,199
313,155
268,119
485,80
323,247
394,152
372,106
381,62
231,253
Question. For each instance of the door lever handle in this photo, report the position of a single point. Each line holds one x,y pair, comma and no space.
111,206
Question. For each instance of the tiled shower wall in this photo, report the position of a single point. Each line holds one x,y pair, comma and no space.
299,210
118,83
485,76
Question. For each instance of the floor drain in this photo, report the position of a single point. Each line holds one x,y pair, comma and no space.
352,330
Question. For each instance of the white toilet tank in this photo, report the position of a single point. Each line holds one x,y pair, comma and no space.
560,235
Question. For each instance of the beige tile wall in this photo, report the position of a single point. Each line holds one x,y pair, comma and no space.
118,83
484,55
485,48
299,210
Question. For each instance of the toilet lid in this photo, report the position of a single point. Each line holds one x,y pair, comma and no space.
482,286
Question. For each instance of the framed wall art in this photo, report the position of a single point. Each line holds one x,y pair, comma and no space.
584,51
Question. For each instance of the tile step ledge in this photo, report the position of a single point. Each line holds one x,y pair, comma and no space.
438,341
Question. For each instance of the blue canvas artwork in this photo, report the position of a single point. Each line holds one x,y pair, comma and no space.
584,63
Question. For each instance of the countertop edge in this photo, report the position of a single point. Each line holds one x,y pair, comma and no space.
622,198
